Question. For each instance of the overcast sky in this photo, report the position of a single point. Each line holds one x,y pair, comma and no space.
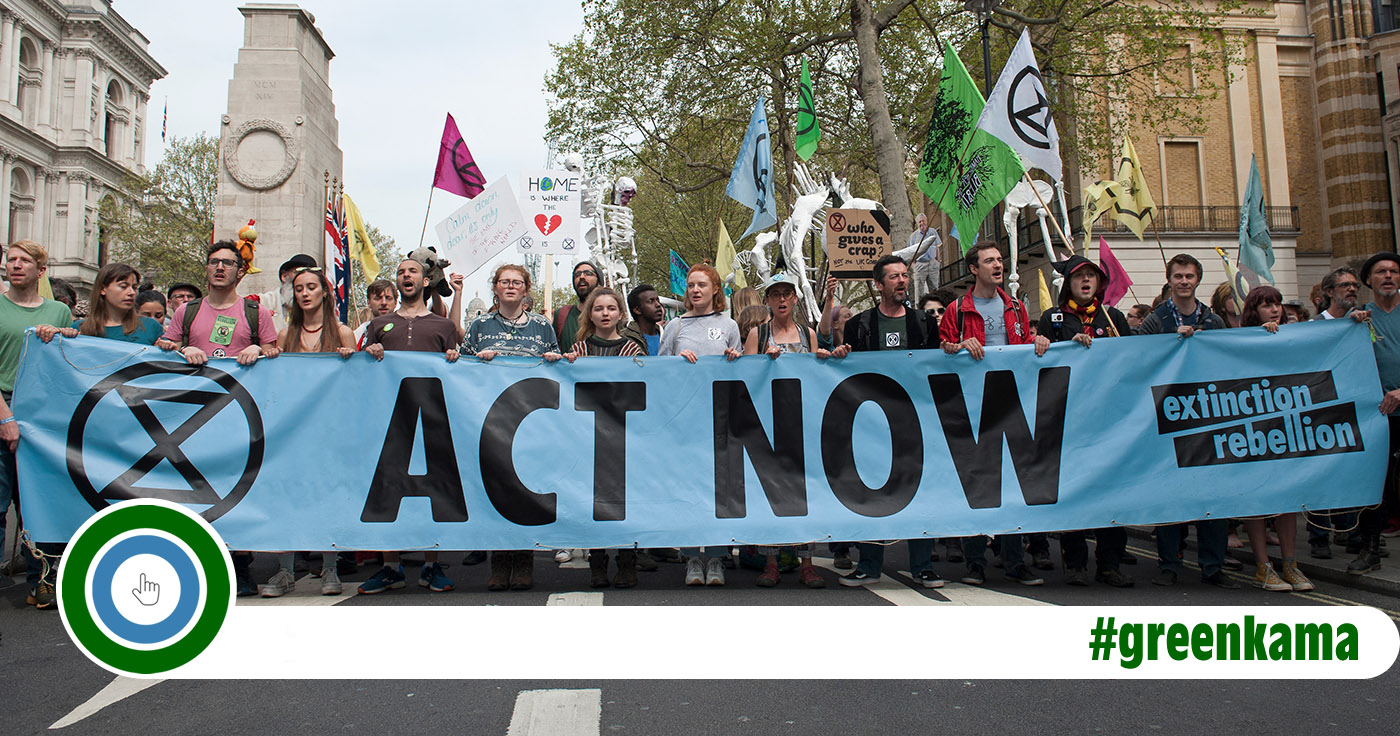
399,67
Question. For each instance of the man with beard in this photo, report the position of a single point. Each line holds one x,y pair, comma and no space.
1339,290
585,278
1382,273
1083,317
986,316
1338,298
412,327
890,325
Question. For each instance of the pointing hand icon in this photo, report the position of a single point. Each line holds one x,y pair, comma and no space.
147,592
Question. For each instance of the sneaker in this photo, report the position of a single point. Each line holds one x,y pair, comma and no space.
1024,576
714,571
1266,578
1231,564
645,563
1220,580
858,578
842,561
563,555
1165,578
388,578
1321,550
1366,561
42,597
809,577
278,585
244,578
1391,531
330,582
1294,577
929,579
1077,576
1041,561
1114,578
433,578
769,577
975,575
954,552
694,572
474,558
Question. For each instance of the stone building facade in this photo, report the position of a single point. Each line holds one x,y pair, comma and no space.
75,82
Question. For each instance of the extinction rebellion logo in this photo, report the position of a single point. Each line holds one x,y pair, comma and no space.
1256,419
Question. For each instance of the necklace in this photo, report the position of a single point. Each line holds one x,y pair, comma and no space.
513,325
308,329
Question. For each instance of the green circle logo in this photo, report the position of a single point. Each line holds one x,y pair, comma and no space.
144,587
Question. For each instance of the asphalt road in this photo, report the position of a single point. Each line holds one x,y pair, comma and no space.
45,678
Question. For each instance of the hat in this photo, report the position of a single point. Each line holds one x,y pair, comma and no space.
780,277
1074,263
300,260
590,264
1371,263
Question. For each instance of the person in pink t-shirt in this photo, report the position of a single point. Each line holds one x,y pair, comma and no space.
221,326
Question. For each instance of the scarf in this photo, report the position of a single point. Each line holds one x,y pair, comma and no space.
1085,314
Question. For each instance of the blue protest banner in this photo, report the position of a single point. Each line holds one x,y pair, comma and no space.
659,452
679,271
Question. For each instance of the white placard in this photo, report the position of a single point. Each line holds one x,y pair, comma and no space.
550,202
481,228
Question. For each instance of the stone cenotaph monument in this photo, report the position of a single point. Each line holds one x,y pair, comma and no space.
278,139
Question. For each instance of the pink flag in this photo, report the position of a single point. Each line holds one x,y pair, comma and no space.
1118,281
456,169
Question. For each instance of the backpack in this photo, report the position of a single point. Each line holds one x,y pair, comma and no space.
250,313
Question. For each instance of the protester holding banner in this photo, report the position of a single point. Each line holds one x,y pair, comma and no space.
223,324
412,327
567,318
890,325
113,312
702,330
21,307
1339,290
511,330
1081,317
151,303
986,316
1381,273
648,316
1263,307
382,298
782,334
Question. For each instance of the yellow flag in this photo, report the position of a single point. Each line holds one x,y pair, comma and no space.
1135,207
361,249
1099,197
1045,302
724,259
45,288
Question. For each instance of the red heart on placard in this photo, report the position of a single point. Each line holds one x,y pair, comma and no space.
547,225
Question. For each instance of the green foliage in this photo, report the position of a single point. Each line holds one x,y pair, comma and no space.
389,256
161,224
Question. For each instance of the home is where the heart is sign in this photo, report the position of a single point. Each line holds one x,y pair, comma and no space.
550,202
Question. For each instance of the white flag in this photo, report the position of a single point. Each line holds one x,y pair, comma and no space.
1018,112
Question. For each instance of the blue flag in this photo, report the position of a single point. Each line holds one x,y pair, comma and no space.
679,271
751,183
1256,248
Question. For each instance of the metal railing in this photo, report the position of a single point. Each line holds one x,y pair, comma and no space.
1209,219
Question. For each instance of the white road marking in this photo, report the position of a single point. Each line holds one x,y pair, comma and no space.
557,713
307,592
957,594
575,599
116,691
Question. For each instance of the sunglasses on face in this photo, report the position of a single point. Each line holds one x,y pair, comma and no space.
304,269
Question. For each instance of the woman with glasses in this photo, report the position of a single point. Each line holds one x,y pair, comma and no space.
311,328
508,329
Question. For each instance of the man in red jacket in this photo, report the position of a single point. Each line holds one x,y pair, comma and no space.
987,317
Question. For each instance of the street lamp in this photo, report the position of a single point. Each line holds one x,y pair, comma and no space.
983,10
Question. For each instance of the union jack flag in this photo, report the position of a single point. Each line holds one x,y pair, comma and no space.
338,256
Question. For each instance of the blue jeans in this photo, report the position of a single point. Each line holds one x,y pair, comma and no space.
9,490
1012,552
872,556
1212,538
1333,519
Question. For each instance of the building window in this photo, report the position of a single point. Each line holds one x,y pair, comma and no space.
111,127
1181,174
1383,15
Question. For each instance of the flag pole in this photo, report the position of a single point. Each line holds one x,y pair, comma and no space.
1053,220
1157,233
425,214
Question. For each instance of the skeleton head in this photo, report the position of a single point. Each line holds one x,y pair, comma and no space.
626,190
573,161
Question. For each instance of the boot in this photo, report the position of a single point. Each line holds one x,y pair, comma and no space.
1369,558
598,567
500,571
769,578
522,574
626,569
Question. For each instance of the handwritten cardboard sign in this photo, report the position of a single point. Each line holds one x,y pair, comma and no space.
855,240
551,202
484,226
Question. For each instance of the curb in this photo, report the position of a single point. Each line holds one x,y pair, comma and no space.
1369,583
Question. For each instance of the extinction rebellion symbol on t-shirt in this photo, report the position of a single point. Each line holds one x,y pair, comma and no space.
1256,419
716,333
891,339
170,403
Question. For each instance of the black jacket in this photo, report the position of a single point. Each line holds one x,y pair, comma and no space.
863,330
1060,325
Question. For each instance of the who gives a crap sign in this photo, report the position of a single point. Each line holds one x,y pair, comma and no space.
855,240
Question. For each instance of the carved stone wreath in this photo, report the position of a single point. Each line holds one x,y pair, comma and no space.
247,179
